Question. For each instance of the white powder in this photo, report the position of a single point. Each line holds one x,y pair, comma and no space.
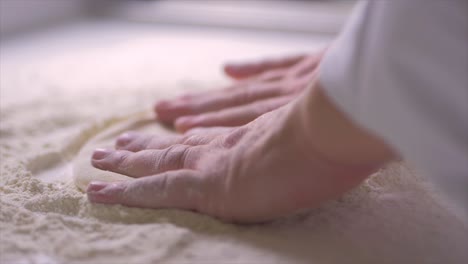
50,108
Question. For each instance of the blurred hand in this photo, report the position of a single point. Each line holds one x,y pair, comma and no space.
259,88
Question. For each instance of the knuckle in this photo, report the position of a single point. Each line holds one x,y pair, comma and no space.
121,161
182,154
174,156
188,158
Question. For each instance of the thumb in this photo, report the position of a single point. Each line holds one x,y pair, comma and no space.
182,189
245,70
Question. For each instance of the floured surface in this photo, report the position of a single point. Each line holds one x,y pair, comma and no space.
53,106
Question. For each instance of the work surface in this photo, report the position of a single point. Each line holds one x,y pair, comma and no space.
61,88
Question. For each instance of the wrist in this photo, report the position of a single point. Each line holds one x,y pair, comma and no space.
325,129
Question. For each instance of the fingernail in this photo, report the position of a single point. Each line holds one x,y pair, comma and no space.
124,139
96,186
98,192
101,153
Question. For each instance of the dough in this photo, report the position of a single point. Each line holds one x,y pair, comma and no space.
84,172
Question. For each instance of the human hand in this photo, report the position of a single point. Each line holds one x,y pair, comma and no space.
224,173
259,88
271,167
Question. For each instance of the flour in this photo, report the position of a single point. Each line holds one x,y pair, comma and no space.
394,217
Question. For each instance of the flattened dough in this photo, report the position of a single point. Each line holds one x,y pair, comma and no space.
84,172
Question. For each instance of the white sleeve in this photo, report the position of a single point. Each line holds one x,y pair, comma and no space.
400,70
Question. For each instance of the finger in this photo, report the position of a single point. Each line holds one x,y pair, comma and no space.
135,142
246,70
234,116
271,75
212,131
145,162
171,110
132,140
183,189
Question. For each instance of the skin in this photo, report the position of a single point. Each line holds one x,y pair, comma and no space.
292,158
257,89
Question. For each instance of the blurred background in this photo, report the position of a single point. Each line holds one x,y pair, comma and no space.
313,16
86,46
